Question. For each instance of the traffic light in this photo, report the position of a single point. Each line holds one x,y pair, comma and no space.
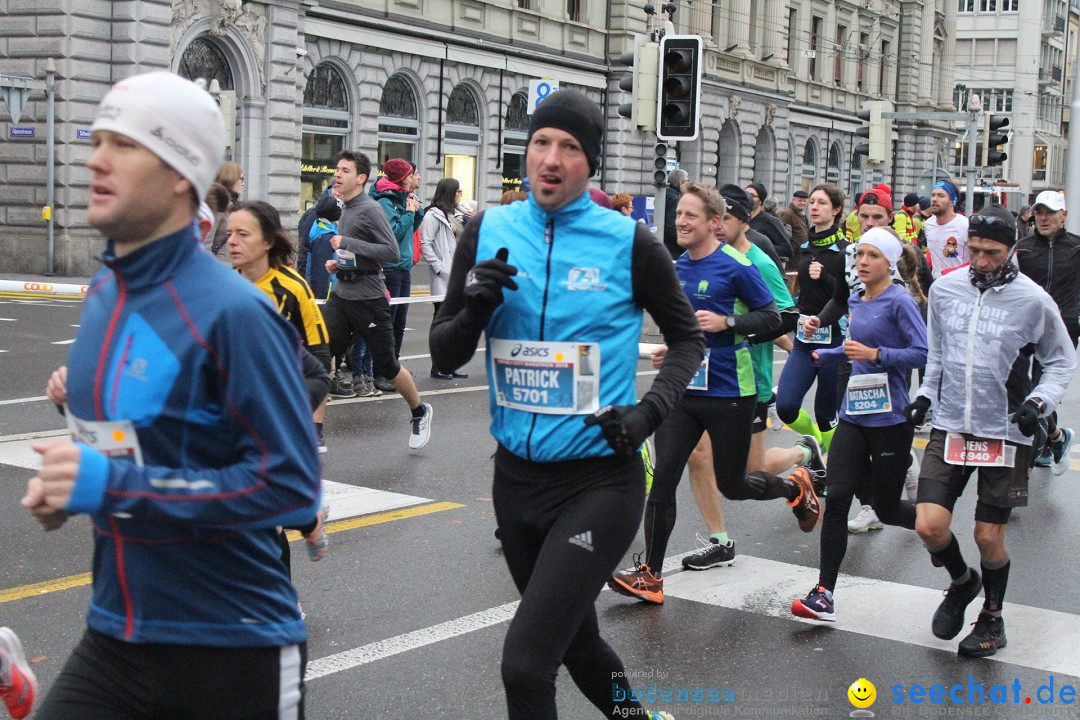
993,137
640,81
876,132
678,111
660,164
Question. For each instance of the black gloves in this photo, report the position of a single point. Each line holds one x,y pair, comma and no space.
1026,418
485,282
916,411
625,427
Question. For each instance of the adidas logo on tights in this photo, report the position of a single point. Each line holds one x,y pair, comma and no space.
584,540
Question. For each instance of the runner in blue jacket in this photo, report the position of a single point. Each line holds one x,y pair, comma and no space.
193,441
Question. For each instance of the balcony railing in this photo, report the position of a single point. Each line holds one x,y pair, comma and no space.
1054,26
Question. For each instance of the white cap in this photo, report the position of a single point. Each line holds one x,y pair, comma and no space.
171,117
884,241
1052,200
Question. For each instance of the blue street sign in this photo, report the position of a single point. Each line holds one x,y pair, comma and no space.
82,134
22,132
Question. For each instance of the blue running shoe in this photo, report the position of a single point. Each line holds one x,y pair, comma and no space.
817,605
1045,458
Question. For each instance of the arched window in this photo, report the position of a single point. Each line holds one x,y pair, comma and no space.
326,89
327,124
856,185
398,99
461,108
461,135
517,113
809,164
515,138
203,59
833,170
399,121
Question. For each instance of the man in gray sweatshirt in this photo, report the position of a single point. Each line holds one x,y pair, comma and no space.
359,303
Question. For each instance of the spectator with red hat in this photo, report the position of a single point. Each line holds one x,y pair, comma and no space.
395,194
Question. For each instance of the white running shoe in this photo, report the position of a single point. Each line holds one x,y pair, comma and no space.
421,428
911,479
865,521
775,423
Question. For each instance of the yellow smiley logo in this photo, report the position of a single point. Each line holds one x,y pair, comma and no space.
862,693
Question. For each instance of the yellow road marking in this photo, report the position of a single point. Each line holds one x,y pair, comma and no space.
39,296
389,516
25,591
74,581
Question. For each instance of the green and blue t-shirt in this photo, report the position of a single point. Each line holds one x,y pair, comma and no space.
727,283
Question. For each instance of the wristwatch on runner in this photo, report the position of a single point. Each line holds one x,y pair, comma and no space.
730,322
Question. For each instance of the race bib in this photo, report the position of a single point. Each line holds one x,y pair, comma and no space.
978,452
869,394
700,381
345,259
822,336
555,378
114,439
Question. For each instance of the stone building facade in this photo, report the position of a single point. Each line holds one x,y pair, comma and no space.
445,83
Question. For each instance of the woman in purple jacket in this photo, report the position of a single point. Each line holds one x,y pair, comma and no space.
887,339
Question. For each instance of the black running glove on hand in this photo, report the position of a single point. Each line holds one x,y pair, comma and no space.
485,282
625,427
1026,418
916,411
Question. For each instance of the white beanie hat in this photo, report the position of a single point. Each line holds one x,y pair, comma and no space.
171,117
884,241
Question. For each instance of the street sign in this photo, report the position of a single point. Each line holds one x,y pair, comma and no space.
82,134
21,132
539,90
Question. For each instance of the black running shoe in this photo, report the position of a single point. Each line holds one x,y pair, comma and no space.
815,466
985,639
949,618
714,555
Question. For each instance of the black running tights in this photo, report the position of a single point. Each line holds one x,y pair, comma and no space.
877,459
564,526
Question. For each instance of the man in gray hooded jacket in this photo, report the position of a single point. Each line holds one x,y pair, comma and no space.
985,323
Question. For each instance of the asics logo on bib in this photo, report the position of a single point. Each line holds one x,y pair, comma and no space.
584,540
527,351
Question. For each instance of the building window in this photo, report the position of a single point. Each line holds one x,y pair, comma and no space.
855,184
838,54
815,35
864,42
326,127
1038,164
882,69
204,59
809,165
461,109
515,138
792,27
832,173
987,6
523,4
326,89
399,121
1010,5
966,6
573,10
462,140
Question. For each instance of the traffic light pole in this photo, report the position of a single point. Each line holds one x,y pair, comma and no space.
973,135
